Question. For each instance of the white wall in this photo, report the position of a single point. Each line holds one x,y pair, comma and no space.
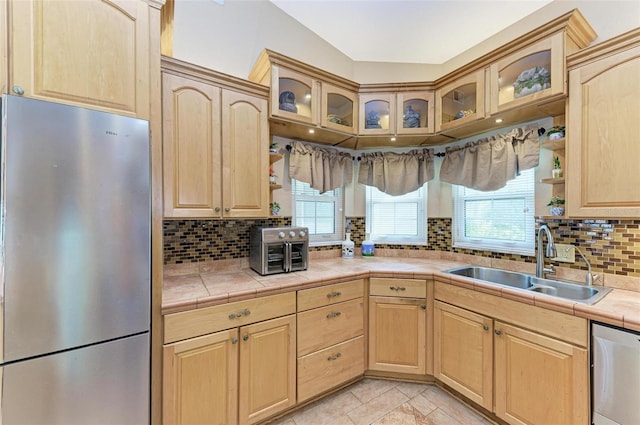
228,38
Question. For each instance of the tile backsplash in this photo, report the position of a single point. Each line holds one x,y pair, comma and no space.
612,246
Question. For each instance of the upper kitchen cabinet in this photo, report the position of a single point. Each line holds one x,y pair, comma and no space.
339,109
603,128
377,114
415,112
533,73
461,101
89,53
306,102
215,144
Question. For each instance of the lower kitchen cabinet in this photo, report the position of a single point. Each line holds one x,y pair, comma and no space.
331,349
539,380
240,375
463,352
534,378
397,325
201,380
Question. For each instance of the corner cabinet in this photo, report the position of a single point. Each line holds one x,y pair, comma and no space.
398,325
461,102
89,53
215,140
603,128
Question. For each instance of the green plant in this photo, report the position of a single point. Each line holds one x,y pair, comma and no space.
556,129
274,206
556,201
556,163
273,145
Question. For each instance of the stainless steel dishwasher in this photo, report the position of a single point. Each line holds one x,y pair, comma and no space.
615,376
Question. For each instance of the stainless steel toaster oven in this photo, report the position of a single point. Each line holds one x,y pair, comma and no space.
278,249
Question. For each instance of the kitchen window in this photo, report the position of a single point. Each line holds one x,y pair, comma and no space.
397,219
322,213
501,220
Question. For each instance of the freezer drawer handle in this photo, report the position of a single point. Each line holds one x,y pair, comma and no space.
244,312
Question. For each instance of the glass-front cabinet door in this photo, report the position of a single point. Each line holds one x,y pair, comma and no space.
460,102
294,96
339,109
414,114
536,72
377,114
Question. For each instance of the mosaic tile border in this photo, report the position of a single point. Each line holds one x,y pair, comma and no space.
612,246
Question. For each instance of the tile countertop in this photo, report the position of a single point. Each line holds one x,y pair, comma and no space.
194,285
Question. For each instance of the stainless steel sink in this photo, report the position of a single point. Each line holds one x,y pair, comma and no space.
565,290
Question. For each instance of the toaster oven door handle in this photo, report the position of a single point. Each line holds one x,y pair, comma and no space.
287,256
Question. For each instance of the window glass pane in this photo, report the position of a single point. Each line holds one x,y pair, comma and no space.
501,220
396,219
321,213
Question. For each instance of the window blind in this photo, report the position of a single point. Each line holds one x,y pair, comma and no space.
396,219
322,213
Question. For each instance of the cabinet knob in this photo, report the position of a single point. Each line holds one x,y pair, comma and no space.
217,209
485,327
424,307
18,90
498,332
246,337
234,340
227,209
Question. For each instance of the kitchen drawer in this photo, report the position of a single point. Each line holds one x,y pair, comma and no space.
406,288
330,367
201,321
325,326
330,294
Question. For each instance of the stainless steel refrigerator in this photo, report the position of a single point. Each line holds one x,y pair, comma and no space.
75,265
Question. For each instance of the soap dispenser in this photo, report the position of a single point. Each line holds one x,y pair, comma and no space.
367,247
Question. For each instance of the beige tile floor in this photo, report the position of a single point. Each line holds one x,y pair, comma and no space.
381,402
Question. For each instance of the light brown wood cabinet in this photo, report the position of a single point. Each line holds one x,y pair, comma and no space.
461,102
89,53
232,363
538,371
603,128
397,325
331,349
463,352
216,158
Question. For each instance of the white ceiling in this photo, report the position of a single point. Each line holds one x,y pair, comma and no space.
406,31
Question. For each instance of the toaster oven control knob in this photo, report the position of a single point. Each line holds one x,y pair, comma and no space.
302,233
281,235
292,233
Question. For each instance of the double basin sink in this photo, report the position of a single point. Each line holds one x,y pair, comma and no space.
565,290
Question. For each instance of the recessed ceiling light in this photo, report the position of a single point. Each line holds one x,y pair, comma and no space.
498,121
311,131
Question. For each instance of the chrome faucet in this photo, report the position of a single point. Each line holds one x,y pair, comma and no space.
591,277
550,252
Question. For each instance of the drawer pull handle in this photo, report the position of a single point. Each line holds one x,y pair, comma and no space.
334,294
238,315
485,327
397,288
334,357
498,332
333,314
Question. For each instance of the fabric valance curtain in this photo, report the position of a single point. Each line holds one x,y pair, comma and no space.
323,168
487,164
397,173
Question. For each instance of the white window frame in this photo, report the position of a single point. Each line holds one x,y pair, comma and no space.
337,196
522,189
419,196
